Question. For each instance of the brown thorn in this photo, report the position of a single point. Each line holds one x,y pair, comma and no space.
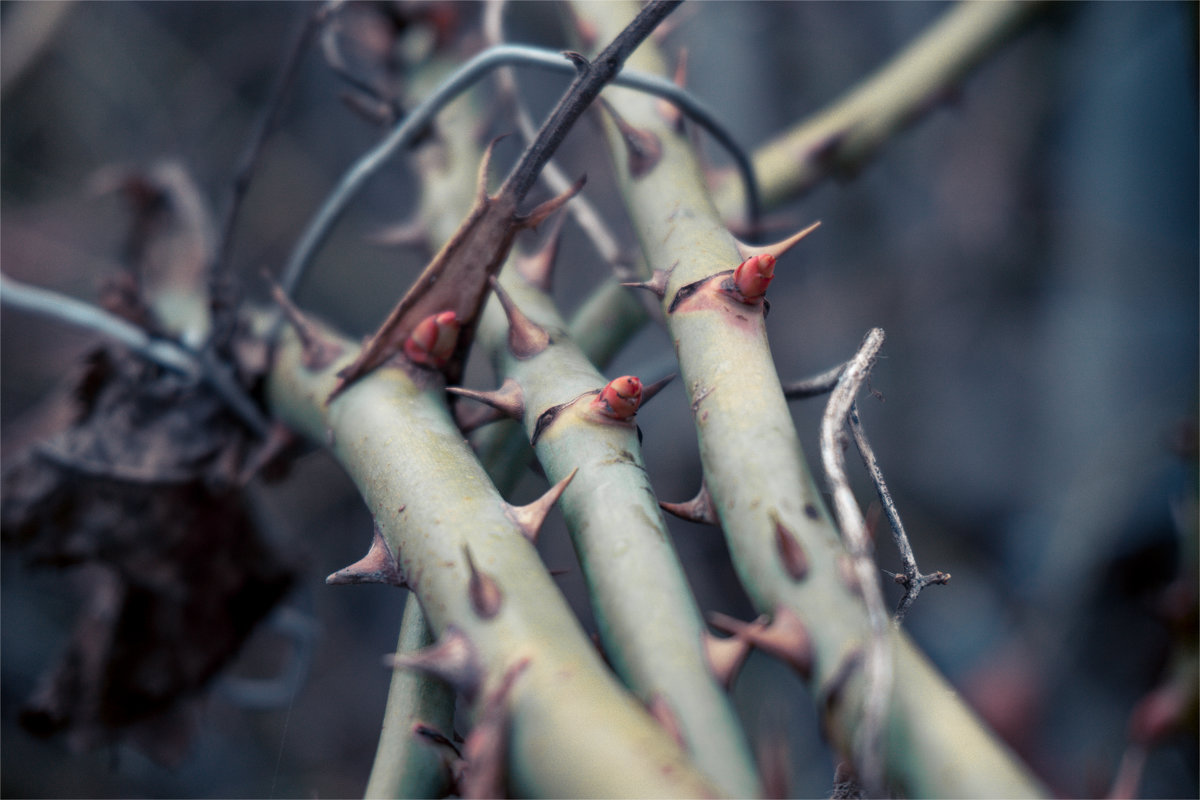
485,748
270,458
509,400
484,592
525,337
778,248
481,192
538,269
642,147
650,390
725,656
452,658
317,352
699,509
541,212
529,518
656,284
791,552
379,565
660,709
785,637
412,233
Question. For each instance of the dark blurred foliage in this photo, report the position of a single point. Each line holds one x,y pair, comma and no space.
1031,251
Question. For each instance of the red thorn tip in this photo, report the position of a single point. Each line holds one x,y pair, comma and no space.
620,398
432,342
753,276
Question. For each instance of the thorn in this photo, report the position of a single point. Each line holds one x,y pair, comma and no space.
777,249
481,191
412,233
379,565
485,594
578,60
668,110
656,284
508,401
725,656
699,509
433,340
538,269
486,746
451,659
318,352
642,147
529,518
791,552
539,214
648,392
660,709
619,399
269,459
525,337
785,637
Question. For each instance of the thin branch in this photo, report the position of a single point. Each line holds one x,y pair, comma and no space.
462,79
165,353
219,279
878,667
815,386
912,579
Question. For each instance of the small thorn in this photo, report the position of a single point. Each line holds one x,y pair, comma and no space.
578,60
486,747
725,656
660,709
642,148
777,249
541,212
317,351
433,340
785,637
451,659
620,398
791,552
529,518
648,392
270,459
412,233
699,509
508,401
538,269
485,594
525,337
656,284
481,191
379,565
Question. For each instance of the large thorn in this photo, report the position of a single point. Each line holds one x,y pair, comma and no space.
656,284
317,352
481,181
725,656
652,389
525,337
507,401
379,565
778,248
791,552
699,509
451,659
529,518
484,592
642,148
539,214
660,709
487,743
538,268
785,638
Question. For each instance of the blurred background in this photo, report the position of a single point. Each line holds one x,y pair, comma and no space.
1030,248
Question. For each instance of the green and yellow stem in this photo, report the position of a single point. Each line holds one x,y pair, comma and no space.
762,490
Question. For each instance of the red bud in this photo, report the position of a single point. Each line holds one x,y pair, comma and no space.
753,275
620,398
432,342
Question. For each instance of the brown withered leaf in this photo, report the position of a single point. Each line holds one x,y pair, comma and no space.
140,494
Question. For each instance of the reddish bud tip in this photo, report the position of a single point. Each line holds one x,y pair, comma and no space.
753,275
432,342
620,398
